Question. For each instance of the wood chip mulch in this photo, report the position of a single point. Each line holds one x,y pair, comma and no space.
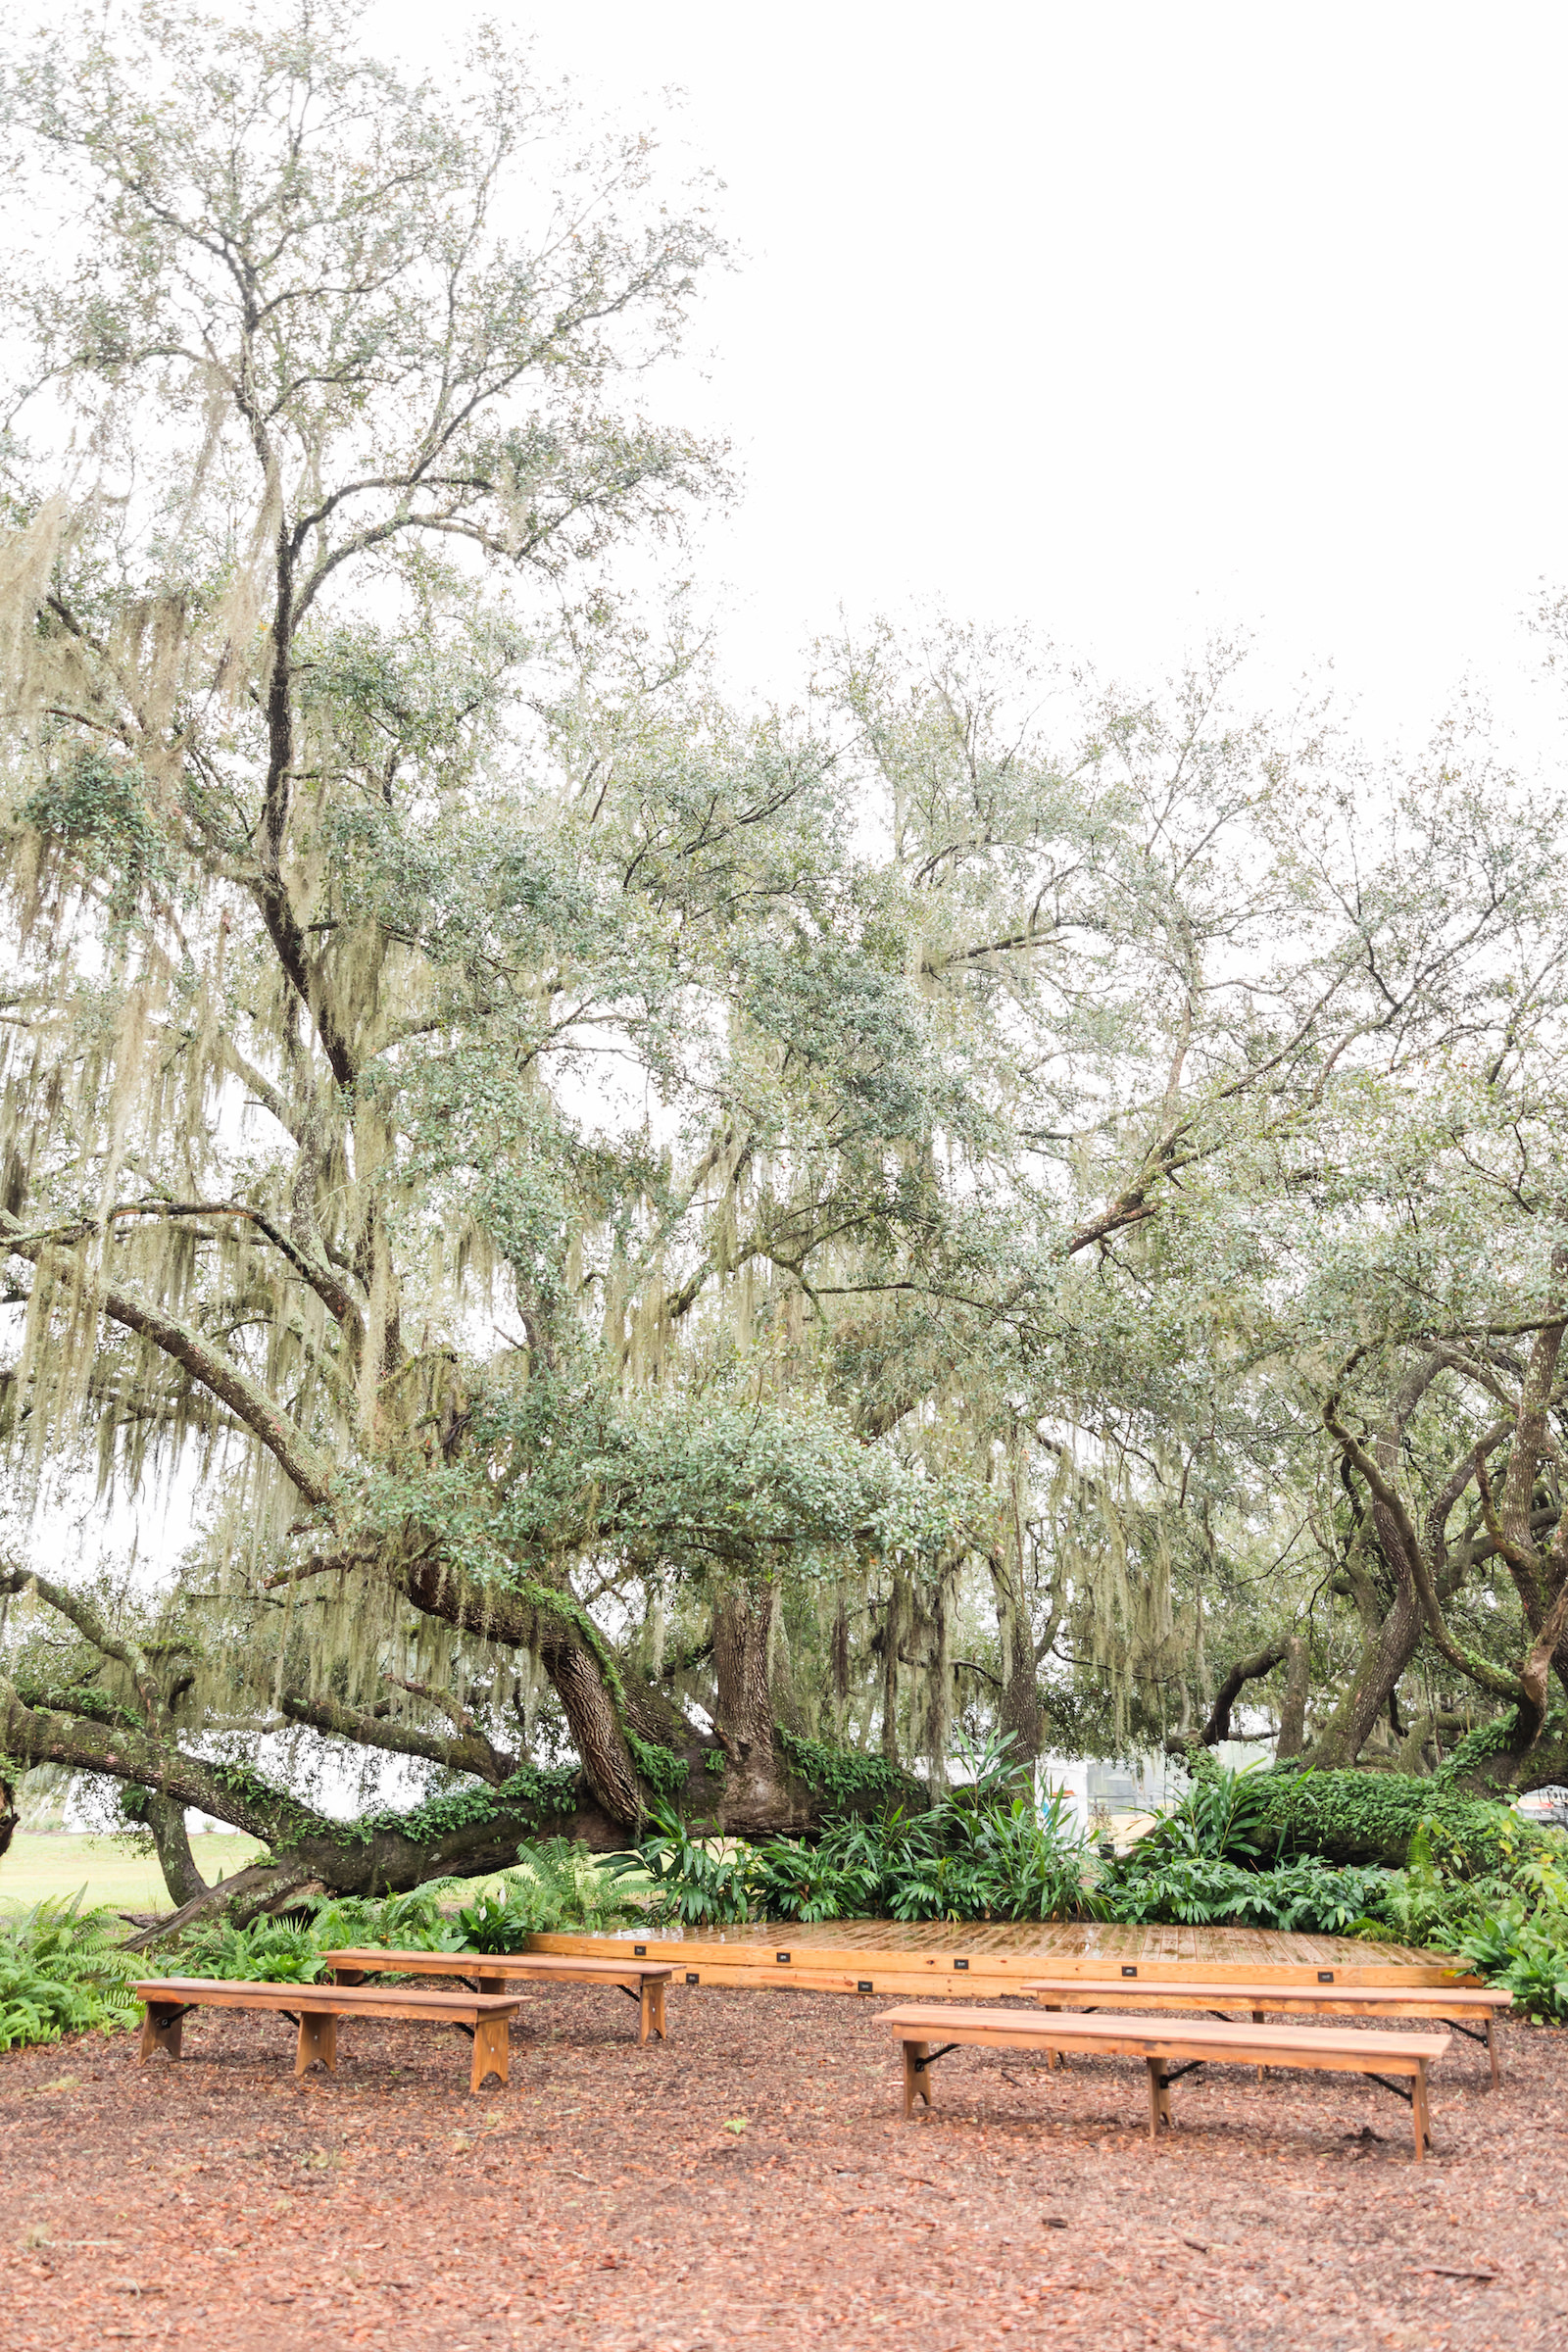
752,2183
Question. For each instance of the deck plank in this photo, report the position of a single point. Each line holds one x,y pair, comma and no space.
897,1957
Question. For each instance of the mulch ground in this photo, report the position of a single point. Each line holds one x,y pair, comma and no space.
603,2200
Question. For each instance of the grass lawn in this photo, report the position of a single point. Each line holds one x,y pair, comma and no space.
34,1867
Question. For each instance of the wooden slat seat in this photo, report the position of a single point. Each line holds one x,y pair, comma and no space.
1449,2004
317,2008
490,1972
1160,2042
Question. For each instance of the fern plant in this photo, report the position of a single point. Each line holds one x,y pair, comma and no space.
61,1972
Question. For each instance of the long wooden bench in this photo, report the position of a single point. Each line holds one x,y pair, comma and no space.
1448,2004
490,1972
316,2009
1190,2044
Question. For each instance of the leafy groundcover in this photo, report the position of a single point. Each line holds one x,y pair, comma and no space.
60,1973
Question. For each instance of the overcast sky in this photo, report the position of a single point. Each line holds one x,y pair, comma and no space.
1132,320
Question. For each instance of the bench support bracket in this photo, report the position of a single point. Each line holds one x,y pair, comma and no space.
919,2060
161,2027
317,2041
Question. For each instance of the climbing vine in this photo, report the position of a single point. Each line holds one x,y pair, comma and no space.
1373,1816
663,1770
529,1790
846,1779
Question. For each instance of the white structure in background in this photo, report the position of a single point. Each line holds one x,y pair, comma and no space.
1107,1797
1101,1793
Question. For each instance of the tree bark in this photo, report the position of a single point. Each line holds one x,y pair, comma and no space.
1218,1725
891,1643
1018,1710
8,1814
1293,1708
164,1817
758,1796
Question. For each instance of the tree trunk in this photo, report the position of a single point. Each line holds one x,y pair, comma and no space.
757,1800
1293,1708
165,1818
1018,1711
595,1732
8,1814
572,1668
1384,1658
841,1670
386,1857
891,1643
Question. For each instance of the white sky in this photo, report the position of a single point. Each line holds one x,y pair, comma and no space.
1132,321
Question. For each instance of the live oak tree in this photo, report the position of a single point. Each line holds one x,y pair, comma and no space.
1271,1346
680,1255
370,885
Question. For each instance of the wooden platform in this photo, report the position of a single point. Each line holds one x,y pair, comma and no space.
885,1956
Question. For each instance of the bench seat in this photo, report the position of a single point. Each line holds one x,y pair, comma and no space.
316,2009
1449,2004
1159,2042
490,1972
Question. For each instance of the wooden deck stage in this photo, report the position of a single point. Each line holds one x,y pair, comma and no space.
987,1960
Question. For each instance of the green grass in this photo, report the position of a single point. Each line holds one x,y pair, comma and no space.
36,1868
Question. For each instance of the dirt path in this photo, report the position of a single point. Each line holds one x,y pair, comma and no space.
603,2202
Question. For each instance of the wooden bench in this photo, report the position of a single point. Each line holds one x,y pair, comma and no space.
490,1972
1449,2004
1201,2043
317,2008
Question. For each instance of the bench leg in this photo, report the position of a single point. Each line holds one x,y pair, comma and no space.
653,1996
917,2075
318,2040
489,1982
1492,2050
645,2012
160,2029
1158,2097
1419,2114
490,2052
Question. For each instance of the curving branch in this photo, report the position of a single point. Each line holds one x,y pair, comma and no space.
249,1403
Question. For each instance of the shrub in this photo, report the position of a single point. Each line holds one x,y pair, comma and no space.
1305,1895
695,1880
982,1852
275,1951
555,1886
1522,1942
1373,1816
61,1972
1217,1858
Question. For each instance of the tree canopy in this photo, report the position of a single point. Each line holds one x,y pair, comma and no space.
664,1240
